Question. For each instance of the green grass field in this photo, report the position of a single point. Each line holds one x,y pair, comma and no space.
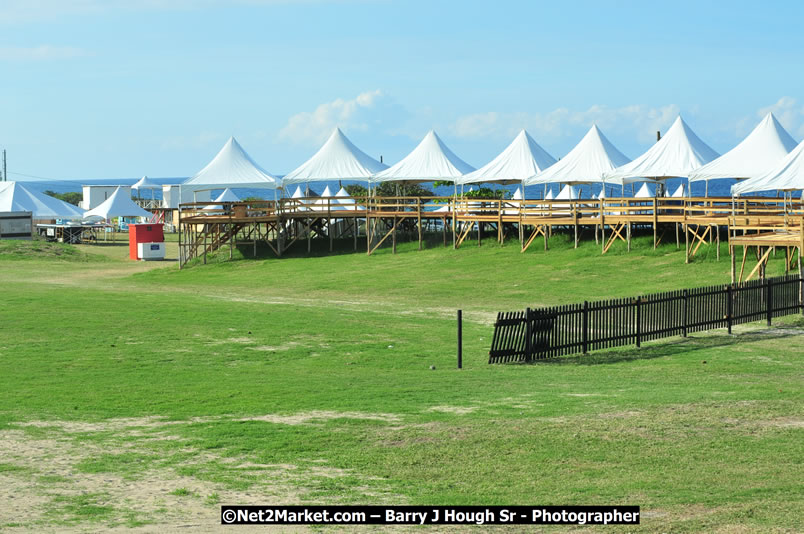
139,396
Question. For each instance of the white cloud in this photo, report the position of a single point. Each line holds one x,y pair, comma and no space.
789,112
314,127
563,122
40,53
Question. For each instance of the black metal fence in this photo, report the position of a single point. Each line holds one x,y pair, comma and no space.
578,328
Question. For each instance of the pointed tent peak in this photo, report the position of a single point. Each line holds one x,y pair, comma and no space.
520,160
145,183
337,159
117,205
677,154
297,193
16,197
517,193
227,196
766,145
431,160
549,195
644,192
326,192
567,192
587,162
342,192
233,166
786,175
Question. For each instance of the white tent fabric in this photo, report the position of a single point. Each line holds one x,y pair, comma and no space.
298,193
786,175
16,197
517,194
321,205
676,154
145,183
118,204
644,192
232,167
568,192
226,196
347,201
431,160
549,195
586,163
678,193
337,159
765,146
522,159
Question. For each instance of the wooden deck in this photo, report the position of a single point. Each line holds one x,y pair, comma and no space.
286,222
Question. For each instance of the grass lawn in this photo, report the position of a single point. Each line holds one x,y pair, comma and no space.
140,396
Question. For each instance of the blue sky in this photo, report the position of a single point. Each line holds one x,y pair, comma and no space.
121,88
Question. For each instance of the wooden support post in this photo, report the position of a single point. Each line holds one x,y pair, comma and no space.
678,241
717,239
602,227
655,220
419,219
499,221
330,230
355,231
309,234
544,232
575,222
733,267
628,235
393,237
454,239
479,232
368,232
762,263
444,230
686,243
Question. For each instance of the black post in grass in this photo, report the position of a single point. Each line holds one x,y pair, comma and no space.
460,339
769,299
729,306
639,321
684,294
585,326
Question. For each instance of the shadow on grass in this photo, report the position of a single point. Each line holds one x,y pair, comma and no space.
674,347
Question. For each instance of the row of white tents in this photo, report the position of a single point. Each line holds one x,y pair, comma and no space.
767,159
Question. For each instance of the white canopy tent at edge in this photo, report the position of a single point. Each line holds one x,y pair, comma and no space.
521,159
586,163
787,175
676,154
430,161
232,167
767,144
14,196
337,159
146,183
119,204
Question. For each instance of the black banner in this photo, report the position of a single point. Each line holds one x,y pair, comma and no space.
429,515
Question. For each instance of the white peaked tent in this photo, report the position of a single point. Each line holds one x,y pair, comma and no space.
765,146
346,200
522,159
431,160
676,154
118,204
16,197
786,175
679,192
586,163
145,183
232,167
549,195
567,193
226,196
517,194
337,159
644,192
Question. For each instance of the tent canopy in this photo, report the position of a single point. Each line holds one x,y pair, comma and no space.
644,192
431,160
232,167
337,159
786,175
676,154
16,197
118,204
522,159
765,146
586,163
145,183
226,196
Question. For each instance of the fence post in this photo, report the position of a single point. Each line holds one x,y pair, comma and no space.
528,349
460,339
684,314
769,298
638,321
585,326
729,305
